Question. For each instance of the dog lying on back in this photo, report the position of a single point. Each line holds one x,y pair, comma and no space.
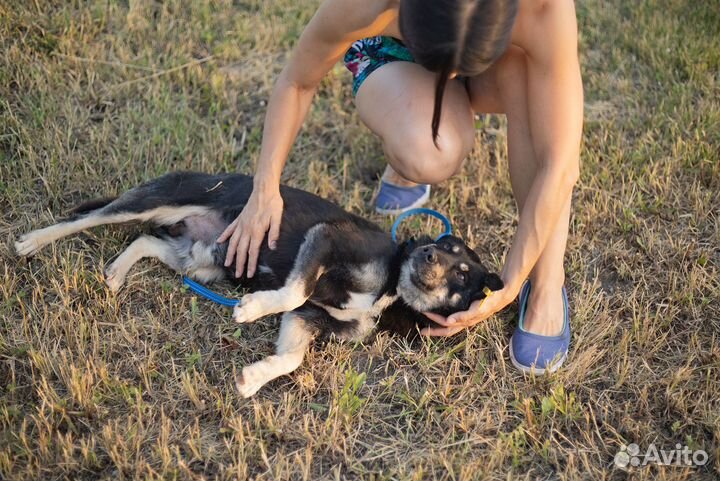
331,274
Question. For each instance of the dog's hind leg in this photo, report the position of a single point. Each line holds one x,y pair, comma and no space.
300,283
143,246
35,240
294,338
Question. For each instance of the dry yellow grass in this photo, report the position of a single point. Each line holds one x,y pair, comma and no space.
98,96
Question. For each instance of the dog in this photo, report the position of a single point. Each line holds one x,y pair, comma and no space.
332,273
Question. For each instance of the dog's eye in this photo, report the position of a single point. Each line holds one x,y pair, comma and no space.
460,276
445,246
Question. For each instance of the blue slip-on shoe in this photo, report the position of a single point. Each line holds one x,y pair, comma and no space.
533,353
393,199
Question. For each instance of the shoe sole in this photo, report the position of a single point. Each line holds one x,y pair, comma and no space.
418,203
536,370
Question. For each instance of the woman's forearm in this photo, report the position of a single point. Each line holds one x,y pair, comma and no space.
287,108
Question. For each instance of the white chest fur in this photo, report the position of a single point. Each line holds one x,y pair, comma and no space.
360,307
360,301
364,307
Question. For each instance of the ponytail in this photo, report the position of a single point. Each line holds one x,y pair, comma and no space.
442,80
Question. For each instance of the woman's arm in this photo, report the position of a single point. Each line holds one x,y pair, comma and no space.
555,97
335,25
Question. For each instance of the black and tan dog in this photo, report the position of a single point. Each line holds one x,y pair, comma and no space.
332,273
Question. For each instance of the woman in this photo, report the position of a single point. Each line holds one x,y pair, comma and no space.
421,69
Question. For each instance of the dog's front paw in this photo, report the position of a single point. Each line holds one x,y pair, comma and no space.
26,245
114,277
249,381
247,310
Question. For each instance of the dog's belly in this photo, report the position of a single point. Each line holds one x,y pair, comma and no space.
205,228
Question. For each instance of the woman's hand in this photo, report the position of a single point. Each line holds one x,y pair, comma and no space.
261,214
478,312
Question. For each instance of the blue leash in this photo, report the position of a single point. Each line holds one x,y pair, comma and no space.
208,294
203,291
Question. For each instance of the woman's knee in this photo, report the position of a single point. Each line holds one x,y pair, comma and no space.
416,157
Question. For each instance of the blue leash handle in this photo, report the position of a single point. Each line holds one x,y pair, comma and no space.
417,211
208,294
224,301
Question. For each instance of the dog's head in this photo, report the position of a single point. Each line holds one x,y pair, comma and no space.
443,276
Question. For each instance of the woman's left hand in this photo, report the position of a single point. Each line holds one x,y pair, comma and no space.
478,312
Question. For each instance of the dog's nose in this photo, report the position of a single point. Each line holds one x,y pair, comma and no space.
430,255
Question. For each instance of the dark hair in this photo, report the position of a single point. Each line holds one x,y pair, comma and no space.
465,36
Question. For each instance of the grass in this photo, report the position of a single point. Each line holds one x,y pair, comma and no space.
98,96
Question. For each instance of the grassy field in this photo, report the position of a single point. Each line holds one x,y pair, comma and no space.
96,97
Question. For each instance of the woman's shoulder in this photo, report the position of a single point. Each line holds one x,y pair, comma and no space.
359,18
537,19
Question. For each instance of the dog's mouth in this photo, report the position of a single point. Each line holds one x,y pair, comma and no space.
425,276
421,285
418,281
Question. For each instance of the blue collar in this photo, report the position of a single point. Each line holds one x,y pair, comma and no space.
418,211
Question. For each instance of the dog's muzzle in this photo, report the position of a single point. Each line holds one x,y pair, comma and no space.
427,270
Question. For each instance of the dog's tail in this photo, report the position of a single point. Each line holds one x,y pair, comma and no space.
90,206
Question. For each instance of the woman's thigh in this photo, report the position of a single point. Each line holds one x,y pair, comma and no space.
396,102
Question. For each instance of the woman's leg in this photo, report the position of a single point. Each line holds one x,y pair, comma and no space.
503,89
396,103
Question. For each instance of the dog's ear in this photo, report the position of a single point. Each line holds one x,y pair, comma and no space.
473,254
423,240
493,282
489,280
406,247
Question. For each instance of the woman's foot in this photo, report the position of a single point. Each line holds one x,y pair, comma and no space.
545,310
537,353
398,194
